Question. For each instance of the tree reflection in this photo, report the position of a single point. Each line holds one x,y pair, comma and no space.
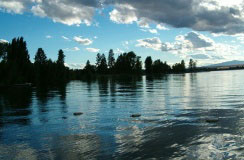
129,84
103,86
15,105
62,93
45,95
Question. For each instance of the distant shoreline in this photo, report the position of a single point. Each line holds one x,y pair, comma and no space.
16,68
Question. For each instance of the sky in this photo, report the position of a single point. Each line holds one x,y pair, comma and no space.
209,31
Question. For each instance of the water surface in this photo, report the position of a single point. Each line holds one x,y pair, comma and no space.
38,123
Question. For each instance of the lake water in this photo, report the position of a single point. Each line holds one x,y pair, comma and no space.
38,123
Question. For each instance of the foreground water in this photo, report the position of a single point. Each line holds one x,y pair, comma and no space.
39,123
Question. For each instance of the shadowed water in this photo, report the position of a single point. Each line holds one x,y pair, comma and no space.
38,123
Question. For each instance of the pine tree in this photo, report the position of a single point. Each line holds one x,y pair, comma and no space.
148,64
101,63
61,57
111,59
3,50
40,57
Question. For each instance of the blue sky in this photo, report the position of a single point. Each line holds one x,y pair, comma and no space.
209,31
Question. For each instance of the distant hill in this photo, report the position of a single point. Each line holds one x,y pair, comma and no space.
226,64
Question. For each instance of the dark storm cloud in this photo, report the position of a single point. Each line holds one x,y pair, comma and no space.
89,3
199,15
189,14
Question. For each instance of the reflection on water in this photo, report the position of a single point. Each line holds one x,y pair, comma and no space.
38,123
15,108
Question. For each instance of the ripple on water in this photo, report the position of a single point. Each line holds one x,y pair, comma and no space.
39,123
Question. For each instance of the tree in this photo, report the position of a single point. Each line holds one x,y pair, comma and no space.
183,67
179,67
138,65
98,60
3,50
160,67
148,64
18,63
17,52
157,66
61,57
166,67
41,70
40,57
101,63
61,71
88,65
192,65
111,59
126,63
89,69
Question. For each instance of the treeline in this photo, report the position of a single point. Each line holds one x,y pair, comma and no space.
130,63
16,67
126,63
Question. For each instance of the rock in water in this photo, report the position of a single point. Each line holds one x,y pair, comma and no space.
212,120
135,115
77,113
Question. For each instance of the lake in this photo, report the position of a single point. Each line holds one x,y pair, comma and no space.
38,123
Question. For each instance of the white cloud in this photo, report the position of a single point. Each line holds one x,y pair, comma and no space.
192,44
36,1
125,44
94,50
143,30
71,49
66,12
38,11
196,39
83,41
240,38
95,37
96,24
144,23
118,51
65,38
123,14
74,65
192,41
153,31
161,27
48,37
153,43
14,6
3,41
